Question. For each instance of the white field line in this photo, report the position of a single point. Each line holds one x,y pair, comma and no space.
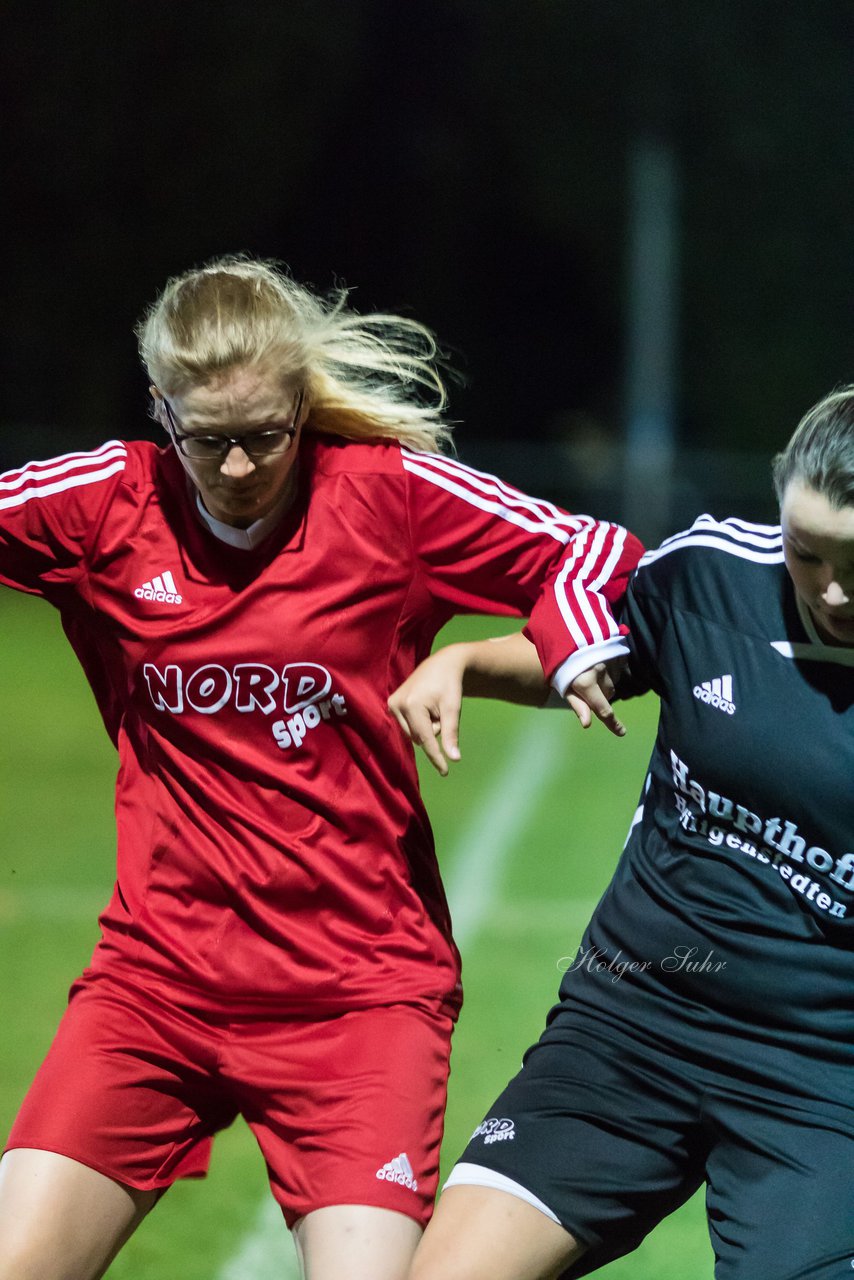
267,1250
497,824
477,868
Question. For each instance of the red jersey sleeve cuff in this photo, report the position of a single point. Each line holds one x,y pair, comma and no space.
583,659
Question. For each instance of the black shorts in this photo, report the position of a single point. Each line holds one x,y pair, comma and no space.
607,1135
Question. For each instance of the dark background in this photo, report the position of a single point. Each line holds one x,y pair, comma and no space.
462,161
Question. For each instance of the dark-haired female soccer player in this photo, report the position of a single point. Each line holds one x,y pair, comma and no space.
725,1053
243,602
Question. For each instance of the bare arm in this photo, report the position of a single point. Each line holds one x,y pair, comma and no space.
427,705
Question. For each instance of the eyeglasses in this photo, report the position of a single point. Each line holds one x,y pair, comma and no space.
255,444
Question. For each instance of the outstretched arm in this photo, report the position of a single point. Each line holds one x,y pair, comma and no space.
427,705
481,546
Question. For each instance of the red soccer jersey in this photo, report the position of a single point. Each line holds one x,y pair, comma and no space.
273,849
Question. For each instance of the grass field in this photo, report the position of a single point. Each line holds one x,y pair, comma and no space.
528,826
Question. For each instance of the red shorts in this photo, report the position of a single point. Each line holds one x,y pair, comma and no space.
346,1110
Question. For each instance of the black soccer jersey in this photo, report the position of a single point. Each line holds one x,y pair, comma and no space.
732,909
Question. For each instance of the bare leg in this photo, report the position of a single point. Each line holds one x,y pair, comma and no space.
358,1241
478,1233
60,1220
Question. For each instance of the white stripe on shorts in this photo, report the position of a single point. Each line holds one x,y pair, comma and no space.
465,1174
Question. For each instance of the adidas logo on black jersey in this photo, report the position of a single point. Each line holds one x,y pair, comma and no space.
717,693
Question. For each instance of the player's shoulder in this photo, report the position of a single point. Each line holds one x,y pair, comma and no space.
80,477
334,455
330,455
144,463
84,492
713,555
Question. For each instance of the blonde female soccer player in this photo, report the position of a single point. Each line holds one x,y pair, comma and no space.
243,601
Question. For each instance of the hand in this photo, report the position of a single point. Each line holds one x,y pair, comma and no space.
593,690
427,705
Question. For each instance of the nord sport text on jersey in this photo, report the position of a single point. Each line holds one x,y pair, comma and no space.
778,843
303,690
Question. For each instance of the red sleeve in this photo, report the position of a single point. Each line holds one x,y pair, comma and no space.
591,580
49,514
485,547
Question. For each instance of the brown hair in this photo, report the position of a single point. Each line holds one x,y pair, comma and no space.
821,451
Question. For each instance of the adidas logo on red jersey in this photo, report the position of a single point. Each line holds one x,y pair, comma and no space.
161,589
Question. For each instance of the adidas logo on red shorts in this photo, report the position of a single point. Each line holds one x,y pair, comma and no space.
398,1170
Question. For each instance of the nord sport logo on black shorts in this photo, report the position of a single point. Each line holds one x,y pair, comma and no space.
495,1129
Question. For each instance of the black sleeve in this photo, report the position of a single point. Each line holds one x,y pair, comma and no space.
646,612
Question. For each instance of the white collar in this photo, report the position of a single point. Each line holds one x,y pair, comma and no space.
244,539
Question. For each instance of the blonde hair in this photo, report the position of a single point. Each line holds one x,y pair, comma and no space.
364,376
